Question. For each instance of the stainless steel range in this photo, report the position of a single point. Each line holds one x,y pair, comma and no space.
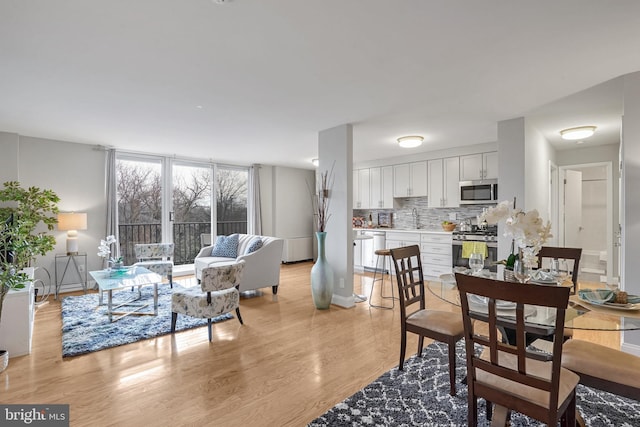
489,235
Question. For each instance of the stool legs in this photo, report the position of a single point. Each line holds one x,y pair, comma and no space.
381,279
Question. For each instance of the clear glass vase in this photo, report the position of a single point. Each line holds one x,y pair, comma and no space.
321,276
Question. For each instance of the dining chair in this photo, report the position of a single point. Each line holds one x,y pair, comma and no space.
603,367
568,254
443,326
507,374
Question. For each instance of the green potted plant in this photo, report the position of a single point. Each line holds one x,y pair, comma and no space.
23,212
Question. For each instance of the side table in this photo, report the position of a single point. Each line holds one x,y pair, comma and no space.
72,263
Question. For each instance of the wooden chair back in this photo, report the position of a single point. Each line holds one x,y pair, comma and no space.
555,252
409,278
512,362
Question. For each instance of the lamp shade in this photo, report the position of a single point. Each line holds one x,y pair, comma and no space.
72,221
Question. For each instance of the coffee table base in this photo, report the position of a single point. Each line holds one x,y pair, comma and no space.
129,303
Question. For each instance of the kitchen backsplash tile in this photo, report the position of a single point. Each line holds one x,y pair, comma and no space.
403,215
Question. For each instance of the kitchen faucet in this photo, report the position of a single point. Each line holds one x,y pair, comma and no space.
416,218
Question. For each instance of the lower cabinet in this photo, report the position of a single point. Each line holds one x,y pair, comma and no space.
398,240
436,254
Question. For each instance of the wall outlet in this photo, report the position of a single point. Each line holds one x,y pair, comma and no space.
453,216
341,283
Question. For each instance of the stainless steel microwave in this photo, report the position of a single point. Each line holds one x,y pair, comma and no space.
479,192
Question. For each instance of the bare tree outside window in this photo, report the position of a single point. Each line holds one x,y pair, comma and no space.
140,193
231,200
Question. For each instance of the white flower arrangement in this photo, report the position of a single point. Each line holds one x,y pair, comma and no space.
104,249
527,229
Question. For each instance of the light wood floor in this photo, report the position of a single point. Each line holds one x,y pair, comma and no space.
287,365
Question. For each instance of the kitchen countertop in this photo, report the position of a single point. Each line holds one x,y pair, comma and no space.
405,230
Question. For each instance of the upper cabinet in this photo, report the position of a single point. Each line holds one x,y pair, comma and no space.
444,176
410,180
479,166
381,183
361,189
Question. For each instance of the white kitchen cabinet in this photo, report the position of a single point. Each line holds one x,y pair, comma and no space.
410,179
490,165
381,184
443,180
357,254
397,239
361,190
479,166
436,253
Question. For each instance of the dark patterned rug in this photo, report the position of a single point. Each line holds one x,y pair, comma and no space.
86,327
419,396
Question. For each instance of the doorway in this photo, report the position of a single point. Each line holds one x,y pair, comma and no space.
585,195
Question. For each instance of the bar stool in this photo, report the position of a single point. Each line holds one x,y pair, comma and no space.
382,254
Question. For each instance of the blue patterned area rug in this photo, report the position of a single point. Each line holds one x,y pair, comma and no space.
86,327
419,396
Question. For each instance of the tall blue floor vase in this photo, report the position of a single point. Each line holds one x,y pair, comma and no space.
321,276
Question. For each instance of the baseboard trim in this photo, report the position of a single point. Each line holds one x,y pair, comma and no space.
629,348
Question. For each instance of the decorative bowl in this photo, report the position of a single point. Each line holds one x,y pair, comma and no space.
449,227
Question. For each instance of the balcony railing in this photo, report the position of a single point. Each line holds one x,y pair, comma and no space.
186,237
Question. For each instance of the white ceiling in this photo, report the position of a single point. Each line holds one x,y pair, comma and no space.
254,81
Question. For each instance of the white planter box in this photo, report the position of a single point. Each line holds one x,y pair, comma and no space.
16,325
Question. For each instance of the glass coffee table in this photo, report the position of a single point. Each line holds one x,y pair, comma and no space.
112,280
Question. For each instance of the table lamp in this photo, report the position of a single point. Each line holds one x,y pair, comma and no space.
71,222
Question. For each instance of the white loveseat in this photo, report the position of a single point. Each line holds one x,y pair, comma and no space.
262,267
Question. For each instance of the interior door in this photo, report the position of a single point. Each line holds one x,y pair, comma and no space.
572,209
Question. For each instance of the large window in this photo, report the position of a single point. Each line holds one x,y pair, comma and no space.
167,200
139,184
231,200
191,209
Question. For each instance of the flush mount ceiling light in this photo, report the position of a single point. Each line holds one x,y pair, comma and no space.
578,133
410,141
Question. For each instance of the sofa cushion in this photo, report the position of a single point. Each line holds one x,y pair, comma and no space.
254,245
226,246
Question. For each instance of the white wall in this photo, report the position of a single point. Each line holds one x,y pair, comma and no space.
335,150
292,210
511,164
631,201
538,152
76,173
8,156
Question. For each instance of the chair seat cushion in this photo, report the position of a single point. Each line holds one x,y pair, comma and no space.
193,302
568,379
601,362
443,322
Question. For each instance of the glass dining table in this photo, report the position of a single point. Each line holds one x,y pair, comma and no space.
580,315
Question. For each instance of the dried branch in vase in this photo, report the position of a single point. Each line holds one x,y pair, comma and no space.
320,198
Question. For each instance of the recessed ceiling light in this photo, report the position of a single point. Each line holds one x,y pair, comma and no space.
315,162
410,141
578,133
